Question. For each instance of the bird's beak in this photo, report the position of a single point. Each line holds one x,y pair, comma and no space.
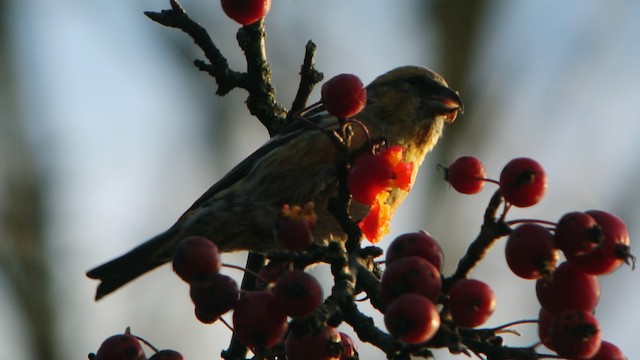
449,104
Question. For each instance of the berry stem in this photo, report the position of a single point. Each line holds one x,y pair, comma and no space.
246,271
490,181
226,323
146,343
236,349
514,323
536,221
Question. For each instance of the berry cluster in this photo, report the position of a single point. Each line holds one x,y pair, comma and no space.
523,181
419,305
196,261
593,243
260,316
129,347
411,288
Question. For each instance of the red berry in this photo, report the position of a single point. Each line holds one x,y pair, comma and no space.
613,251
609,351
577,233
258,321
568,289
376,224
412,318
298,293
293,226
349,348
410,275
575,334
120,347
466,175
529,251
343,95
545,320
523,182
206,317
213,297
167,355
472,302
326,345
371,174
246,12
270,272
196,257
416,244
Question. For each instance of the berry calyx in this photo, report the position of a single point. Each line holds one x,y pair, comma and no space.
523,182
466,175
343,95
412,318
293,226
246,12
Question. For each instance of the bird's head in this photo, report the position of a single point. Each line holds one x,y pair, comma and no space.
409,106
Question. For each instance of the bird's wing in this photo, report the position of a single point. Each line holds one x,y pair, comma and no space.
313,120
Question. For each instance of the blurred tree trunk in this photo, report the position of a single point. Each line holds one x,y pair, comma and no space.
459,24
22,250
458,28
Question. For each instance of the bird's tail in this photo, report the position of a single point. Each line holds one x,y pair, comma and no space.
127,267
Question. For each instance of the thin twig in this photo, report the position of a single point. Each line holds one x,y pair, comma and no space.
218,67
309,77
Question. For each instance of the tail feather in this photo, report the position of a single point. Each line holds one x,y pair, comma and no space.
127,267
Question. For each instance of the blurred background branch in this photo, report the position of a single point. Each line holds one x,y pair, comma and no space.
23,256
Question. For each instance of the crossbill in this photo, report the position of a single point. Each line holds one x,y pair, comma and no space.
407,106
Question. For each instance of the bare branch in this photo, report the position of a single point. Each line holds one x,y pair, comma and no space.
262,101
218,67
309,77
491,231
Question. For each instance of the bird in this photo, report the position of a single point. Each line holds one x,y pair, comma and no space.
407,106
